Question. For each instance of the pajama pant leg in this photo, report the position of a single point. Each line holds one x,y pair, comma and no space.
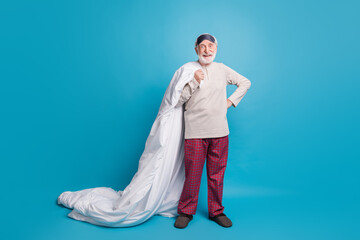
215,169
194,158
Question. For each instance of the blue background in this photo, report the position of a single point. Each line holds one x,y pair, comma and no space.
82,81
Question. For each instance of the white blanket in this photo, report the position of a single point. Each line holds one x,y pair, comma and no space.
156,187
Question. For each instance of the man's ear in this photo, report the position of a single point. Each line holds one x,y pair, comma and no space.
196,50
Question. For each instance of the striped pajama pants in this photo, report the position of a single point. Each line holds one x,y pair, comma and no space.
215,150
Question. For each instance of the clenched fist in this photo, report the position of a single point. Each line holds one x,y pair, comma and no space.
199,75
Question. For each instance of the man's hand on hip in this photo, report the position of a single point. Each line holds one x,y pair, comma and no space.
229,103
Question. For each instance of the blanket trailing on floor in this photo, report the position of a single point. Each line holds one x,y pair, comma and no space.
156,187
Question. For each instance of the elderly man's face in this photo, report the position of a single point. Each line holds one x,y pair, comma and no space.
206,51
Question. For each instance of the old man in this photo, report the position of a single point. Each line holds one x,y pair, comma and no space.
206,130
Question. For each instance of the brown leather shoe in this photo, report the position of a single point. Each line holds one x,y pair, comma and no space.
222,220
182,220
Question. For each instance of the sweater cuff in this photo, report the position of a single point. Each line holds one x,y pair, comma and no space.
234,103
194,84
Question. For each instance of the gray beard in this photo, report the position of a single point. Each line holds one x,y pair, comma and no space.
203,61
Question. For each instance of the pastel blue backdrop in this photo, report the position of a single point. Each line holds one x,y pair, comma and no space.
82,81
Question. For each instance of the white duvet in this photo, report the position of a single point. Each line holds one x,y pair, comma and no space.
156,187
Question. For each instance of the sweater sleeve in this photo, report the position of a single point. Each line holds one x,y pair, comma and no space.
243,85
187,91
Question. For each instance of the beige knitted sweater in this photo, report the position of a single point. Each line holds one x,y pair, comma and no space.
206,105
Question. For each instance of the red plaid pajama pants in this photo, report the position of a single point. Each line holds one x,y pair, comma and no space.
215,150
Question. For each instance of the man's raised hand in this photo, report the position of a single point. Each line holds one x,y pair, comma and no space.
199,75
